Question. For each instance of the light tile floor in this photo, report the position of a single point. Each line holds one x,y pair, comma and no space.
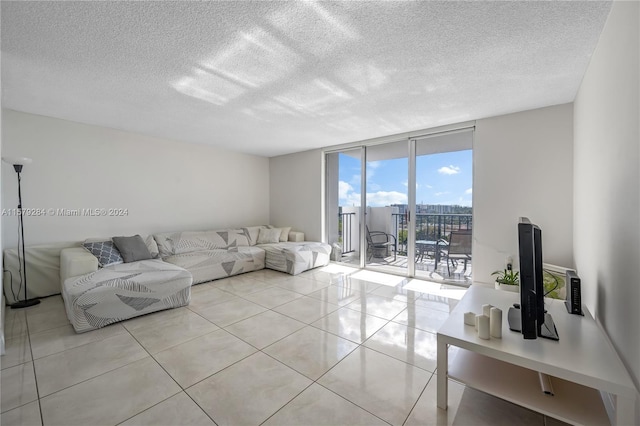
330,346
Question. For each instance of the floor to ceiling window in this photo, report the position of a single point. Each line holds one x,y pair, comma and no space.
416,217
344,198
443,207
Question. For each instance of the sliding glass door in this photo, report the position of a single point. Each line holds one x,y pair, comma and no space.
387,182
415,218
343,202
443,207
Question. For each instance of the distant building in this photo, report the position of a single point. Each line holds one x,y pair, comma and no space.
435,209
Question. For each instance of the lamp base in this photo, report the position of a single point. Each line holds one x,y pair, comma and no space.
24,303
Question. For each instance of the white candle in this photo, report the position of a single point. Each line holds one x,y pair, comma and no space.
486,309
483,327
470,318
495,323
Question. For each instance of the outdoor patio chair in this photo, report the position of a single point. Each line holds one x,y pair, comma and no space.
379,241
459,249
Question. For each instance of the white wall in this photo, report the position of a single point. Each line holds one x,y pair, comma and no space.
296,186
607,182
522,166
165,185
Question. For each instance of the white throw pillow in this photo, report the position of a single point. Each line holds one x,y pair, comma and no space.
267,236
284,236
151,244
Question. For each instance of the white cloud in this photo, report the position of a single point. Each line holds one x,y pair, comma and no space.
405,183
348,197
463,202
428,186
371,168
343,189
437,194
352,199
346,194
385,198
469,191
449,170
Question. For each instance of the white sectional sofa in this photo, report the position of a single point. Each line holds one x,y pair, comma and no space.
95,296
211,255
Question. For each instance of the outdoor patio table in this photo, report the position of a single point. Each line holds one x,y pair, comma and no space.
425,246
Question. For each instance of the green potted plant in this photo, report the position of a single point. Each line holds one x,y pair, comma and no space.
507,280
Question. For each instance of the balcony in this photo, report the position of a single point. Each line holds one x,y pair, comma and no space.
432,236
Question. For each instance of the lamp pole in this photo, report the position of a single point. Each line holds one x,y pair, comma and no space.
26,302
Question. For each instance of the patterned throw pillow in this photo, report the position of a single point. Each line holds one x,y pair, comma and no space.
267,236
105,251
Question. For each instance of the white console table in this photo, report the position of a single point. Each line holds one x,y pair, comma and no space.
582,363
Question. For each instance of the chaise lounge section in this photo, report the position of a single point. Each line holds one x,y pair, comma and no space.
121,291
296,257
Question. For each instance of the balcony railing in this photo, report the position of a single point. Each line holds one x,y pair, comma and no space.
345,231
430,226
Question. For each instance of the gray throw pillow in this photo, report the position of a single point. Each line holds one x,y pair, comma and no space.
132,249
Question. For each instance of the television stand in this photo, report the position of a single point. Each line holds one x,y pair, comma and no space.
548,329
583,366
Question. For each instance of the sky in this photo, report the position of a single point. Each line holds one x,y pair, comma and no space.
444,178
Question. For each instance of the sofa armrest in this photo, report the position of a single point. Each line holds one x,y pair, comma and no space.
76,261
296,236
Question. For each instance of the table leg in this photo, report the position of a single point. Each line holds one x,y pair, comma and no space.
625,410
441,373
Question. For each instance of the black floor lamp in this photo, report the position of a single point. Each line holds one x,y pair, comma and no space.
17,163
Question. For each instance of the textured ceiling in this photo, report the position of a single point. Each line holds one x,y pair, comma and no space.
271,78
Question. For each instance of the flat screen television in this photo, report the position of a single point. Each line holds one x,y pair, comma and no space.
534,321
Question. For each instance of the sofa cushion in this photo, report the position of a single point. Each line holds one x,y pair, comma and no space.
252,232
268,236
152,246
105,251
132,249
284,236
76,261
175,243
208,265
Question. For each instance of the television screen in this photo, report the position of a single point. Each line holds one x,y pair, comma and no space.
534,320
528,289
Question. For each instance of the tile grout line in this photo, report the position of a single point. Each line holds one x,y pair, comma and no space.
271,285
170,376
33,365
413,407
316,382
